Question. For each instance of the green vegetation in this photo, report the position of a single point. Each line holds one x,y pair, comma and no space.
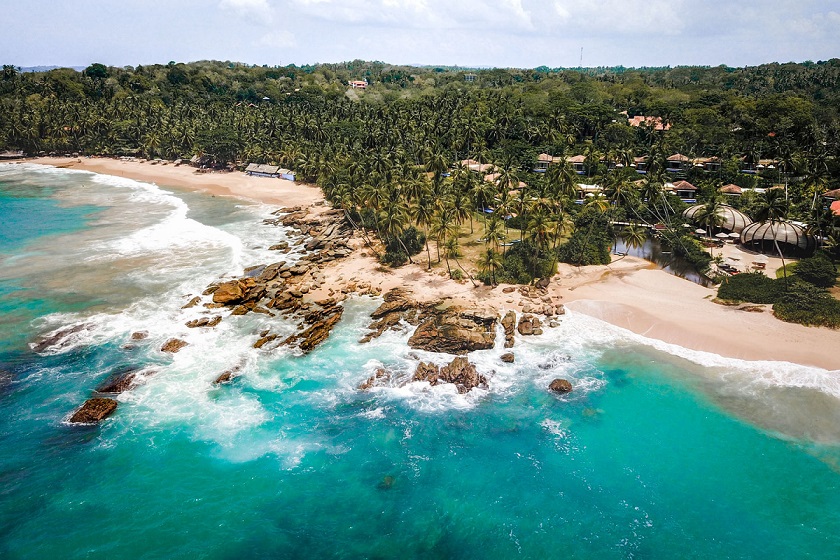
817,270
753,287
389,154
809,305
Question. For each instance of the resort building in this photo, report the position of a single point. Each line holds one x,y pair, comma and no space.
358,84
792,238
734,221
578,163
683,189
656,123
262,170
677,163
731,190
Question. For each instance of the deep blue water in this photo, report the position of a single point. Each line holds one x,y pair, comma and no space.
658,453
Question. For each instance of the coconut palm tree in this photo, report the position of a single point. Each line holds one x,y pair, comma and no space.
773,208
489,262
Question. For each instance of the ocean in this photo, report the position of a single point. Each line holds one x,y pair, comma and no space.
659,452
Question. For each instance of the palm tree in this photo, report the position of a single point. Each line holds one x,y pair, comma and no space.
489,262
634,237
773,208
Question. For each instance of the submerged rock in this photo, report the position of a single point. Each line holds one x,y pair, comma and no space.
205,322
375,379
94,410
139,335
56,338
121,380
561,386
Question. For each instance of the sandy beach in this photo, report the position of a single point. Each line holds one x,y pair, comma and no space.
630,293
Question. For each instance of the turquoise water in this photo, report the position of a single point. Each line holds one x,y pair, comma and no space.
658,453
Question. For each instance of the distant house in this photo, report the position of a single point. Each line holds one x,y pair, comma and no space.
641,164
752,167
358,84
654,122
731,190
683,189
707,163
544,161
585,191
577,163
469,77
262,170
677,163
477,167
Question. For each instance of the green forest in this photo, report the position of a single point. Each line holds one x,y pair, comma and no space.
391,153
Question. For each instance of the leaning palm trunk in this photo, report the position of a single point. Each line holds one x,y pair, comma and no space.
362,230
464,271
781,256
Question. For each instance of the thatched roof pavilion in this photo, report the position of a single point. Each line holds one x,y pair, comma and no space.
793,239
733,220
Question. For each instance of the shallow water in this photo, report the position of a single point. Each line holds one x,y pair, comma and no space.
659,452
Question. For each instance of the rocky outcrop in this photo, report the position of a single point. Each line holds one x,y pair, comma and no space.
561,386
122,380
173,345
378,378
322,324
529,325
205,322
459,372
508,357
139,335
192,303
58,338
509,325
453,331
94,411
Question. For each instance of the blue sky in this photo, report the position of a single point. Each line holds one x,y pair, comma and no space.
504,33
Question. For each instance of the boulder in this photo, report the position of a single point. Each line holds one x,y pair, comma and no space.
139,335
192,303
225,377
508,357
459,372
173,345
450,332
229,293
529,325
120,381
561,386
509,324
204,322
318,331
94,410
265,339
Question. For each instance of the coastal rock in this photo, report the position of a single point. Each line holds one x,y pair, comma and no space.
508,357
454,333
205,322
377,378
173,345
58,338
561,386
459,372
229,293
508,290
94,410
122,380
139,335
318,331
543,283
192,303
509,325
529,325
265,339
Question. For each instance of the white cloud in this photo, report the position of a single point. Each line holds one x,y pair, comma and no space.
248,7
278,39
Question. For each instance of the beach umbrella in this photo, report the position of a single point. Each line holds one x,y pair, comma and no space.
760,258
700,230
735,235
722,235
686,225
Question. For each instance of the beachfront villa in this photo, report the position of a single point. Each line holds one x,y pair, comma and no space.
683,189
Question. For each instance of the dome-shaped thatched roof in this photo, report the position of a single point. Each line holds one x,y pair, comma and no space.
733,220
762,235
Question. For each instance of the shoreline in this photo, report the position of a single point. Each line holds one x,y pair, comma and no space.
630,293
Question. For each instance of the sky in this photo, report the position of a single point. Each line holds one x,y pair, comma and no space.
473,33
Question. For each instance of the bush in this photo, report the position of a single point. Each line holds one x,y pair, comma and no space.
520,264
691,250
753,287
395,254
807,304
817,270
591,241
